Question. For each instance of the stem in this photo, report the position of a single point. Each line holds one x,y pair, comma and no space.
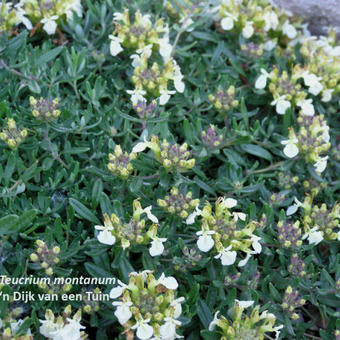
55,154
182,29
271,167
17,73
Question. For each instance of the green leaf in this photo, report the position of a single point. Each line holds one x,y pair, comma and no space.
95,271
205,186
48,56
7,223
204,313
256,151
82,211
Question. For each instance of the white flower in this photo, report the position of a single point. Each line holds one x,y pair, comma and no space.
244,304
228,202
50,24
227,257
73,6
327,95
165,96
271,20
157,246
117,16
168,330
71,331
321,164
150,215
256,244
290,149
115,47
168,282
313,82
177,306
141,146
136,60
144,330
187,22
248,29
214,322
191,218
205,242
123,312
277,331
315,236
289,30
48,327
338,235
307,107
281,104
165,48
20,15
227,23
118,291
293,208
239,215
269,45
137,95
243,262
105,235
261,81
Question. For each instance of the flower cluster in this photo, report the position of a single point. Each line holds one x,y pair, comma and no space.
143,110
322,56
291,301
148,306
133,232
210,138
11,135
48,13
286,181
120,162
255,17
289,234
178,203
312,140
138,33
45,109
9,330
221,230
243,326
45,256
12,16
62,326
252,50
323,220
153,80
297,267
189,260
173,157
224,101
91,306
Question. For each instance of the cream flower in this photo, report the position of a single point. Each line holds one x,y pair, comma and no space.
168,282
307,107
228,202
244,304
157,247
165,96
290,149
205,242
248,29
105,235
327,95
123,312
150,215
227,23
321,164
118,291
50,24
289,30
261,81
168,330
215,322
315,236
144,330
227,257
293,208
191,218
281,104
137,95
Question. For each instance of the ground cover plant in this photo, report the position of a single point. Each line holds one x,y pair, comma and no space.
187,151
